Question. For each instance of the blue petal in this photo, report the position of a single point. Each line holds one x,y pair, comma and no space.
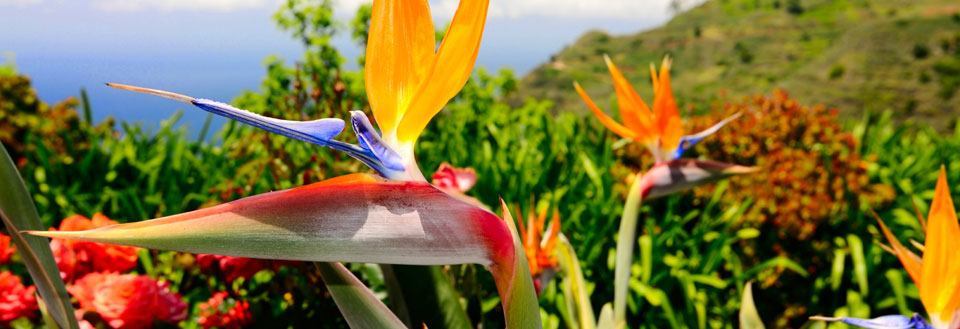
319,132
884,322
686,142
370,140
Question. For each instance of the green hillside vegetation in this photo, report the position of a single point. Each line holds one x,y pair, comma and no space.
854,55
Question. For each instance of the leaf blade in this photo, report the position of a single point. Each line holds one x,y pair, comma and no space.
749,317
359,306
18,213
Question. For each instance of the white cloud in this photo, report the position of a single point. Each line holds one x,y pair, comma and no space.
618,9
180,5
442,9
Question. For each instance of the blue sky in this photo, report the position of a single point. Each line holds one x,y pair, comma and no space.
215,48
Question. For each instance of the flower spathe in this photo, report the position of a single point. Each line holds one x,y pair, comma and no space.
659,128
936,274
128,300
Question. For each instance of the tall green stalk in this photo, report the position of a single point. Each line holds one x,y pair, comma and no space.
626,239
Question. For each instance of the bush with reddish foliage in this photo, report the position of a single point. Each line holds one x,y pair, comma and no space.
16,301
128,300
810,168
223,312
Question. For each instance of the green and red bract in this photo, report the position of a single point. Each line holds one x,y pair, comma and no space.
355,218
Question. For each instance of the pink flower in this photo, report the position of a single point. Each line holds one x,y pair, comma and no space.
449,178
128,300
6,250
15,300
224,313
77,258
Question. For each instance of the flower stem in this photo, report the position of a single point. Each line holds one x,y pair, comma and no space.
626,239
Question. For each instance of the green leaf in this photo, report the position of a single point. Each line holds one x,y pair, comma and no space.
359,306
606,320
859,263
749,317
574,286
19,213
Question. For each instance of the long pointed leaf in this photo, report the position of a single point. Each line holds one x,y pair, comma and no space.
574,286
749,317
356,302
19,213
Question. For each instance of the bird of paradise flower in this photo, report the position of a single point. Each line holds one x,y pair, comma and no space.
936,274
660,129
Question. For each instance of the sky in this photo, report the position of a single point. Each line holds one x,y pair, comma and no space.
215,48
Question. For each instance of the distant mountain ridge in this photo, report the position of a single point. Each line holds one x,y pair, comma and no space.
854,55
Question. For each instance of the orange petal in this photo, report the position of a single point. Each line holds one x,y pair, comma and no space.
550,239
911,262
940,289
635,113
605,119
400,49
450,70
654,79
667,117
521,226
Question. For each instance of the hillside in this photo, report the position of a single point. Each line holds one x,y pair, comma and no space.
855,55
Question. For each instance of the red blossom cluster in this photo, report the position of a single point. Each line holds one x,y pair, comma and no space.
126,301
16,301
233,268
78,258
6,249
94,273
223,312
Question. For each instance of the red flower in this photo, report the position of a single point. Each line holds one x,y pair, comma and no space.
236,267
6,250
224,313
449,178
77,258
15,300
128,300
